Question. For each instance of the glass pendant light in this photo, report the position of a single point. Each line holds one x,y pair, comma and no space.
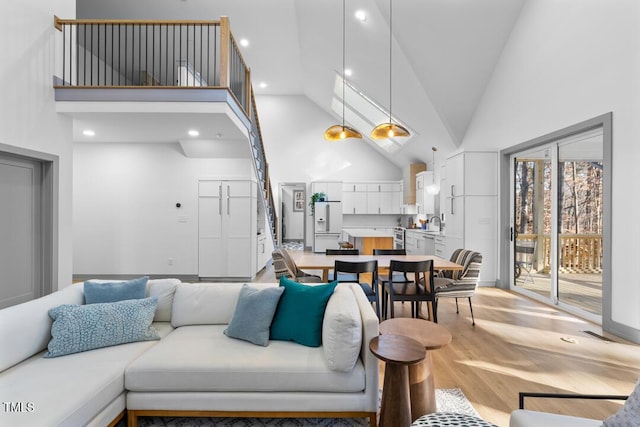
433,188
340,132
390,129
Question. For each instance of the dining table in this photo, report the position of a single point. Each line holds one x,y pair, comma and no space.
325,263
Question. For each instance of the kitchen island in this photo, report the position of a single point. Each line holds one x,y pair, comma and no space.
368,239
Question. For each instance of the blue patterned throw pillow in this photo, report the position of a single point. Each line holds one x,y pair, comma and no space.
79,328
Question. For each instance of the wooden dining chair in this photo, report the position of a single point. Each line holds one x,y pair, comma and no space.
400,277
356,269
345,277
420,290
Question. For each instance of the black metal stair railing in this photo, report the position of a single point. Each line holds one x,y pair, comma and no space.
262,171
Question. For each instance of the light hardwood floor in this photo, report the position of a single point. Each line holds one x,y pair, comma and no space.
516,346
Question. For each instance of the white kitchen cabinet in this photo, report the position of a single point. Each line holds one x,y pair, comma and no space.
372,198
440,246
471,208
332,189
409,182
227,245
262,255
354,198
418,243
425,202
411,242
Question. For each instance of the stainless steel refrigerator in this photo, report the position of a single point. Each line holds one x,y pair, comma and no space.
327,220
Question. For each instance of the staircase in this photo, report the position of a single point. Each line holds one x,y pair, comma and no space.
262,171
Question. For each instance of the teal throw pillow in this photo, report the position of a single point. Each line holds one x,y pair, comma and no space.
97,292
79,328
253,315
300,312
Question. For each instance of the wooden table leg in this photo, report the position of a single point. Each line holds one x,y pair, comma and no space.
325,275
395,409
422,388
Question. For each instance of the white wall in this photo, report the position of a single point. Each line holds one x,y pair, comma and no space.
27,108
566,62
125,215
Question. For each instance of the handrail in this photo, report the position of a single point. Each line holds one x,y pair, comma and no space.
578,253
59,22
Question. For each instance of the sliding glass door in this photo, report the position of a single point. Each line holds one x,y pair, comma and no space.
556,222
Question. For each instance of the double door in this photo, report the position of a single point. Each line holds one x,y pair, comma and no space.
227,229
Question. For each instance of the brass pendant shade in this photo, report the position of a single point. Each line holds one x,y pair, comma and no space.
388,130
340,132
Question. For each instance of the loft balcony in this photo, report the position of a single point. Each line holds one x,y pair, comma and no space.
120,66
151,81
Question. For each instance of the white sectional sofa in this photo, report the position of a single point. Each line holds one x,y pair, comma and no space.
193,369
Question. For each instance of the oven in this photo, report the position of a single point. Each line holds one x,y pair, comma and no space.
398,238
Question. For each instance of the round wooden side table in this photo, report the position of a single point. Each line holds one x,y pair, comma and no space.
398,352
421,383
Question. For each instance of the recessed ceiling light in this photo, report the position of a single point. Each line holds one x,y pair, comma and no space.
244,42
263,85
193,132
361,15
348,72
88,132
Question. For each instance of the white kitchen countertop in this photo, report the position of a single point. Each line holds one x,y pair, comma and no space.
429,232
367,232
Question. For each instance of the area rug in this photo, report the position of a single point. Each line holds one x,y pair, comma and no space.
448,400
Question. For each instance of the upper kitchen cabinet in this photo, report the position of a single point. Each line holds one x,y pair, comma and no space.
472,173
372,198
425,202
332,189
354,198
409,179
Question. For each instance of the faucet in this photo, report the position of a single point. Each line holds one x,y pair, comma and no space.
431,221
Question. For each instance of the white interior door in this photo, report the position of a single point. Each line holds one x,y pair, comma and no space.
20,228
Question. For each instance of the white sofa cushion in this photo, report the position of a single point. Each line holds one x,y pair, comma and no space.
342,329
25,329
201,358
70,390
207,303
526,418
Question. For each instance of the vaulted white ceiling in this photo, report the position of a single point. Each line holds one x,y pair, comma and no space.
444,52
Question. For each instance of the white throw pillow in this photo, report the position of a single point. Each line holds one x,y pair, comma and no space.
629,414
342,329
163,289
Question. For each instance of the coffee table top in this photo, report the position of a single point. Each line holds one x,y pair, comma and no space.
431,335
397,349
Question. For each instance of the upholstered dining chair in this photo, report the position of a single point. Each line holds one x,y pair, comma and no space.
284,265
356,268
420,290
459,284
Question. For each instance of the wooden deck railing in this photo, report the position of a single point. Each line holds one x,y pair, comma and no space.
578,253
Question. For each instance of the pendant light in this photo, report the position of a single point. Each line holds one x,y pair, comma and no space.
433,188
340,132
390,129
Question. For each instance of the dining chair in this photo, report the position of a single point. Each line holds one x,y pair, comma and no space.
400,277
344,277
355,269
459,284
284,265
420,290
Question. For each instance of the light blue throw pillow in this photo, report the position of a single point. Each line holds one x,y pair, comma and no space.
252,318
79,328
97,292
300,313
